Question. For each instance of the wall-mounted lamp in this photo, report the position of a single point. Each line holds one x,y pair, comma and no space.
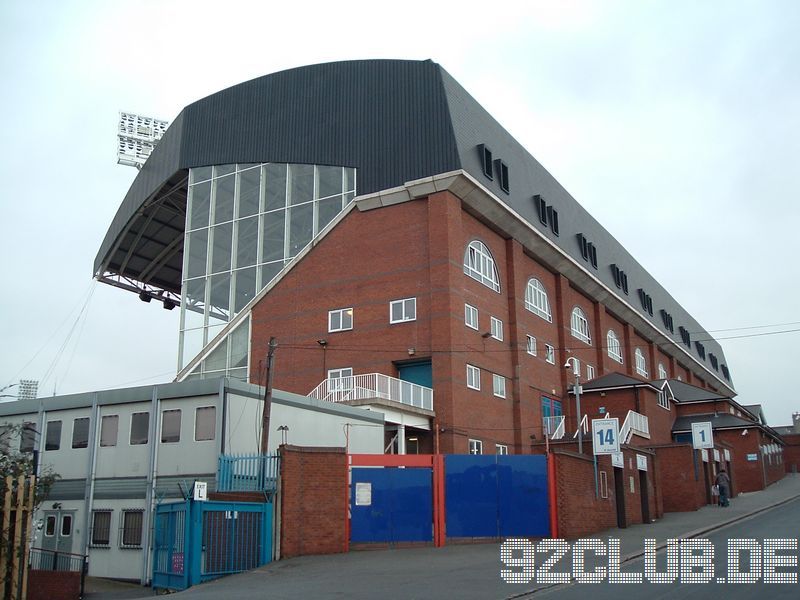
56,505
488,334
412,351
322,343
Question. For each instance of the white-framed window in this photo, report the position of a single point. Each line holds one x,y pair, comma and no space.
501,449
205,423
498,385
473,377
589,372
531,345
550,354
479,264
101,528
663,399
171,426
662,372
475,447
340,380
614,348
497,329
471,316
403,310
579,325
340,319
536,299
641,363
50,526
130,534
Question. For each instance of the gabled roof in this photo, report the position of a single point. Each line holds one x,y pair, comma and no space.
718,421
614,381
685,392
756,411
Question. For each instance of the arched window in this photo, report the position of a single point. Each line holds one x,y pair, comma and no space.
536,300
580,326
641,364
614,349
479,264
662,372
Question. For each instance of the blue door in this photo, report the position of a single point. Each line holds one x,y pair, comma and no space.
390,504
420,373
496,496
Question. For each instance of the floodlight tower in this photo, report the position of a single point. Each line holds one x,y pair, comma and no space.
137,136
28,389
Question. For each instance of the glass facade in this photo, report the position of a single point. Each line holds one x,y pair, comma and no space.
244,222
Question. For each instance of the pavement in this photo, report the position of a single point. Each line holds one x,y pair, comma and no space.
464,571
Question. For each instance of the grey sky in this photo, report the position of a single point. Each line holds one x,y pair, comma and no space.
675,123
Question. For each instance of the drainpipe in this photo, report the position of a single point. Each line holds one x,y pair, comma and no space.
152,477
90,470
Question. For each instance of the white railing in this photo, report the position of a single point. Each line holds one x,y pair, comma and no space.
374,385
635,424
553,427
584,424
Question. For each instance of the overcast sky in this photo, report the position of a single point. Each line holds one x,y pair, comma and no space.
675,123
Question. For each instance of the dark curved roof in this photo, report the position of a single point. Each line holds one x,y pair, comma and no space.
394,121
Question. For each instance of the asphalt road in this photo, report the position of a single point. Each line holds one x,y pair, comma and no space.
782,522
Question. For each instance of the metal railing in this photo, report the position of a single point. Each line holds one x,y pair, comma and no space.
635,424
374,385
247,473
553,427
41,559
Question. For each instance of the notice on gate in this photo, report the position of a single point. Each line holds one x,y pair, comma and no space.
363,494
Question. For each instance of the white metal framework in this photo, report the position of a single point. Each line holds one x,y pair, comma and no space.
613,346
137,136
536,299
479,264
579,325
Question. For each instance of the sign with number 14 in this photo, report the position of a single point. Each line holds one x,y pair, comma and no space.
605,435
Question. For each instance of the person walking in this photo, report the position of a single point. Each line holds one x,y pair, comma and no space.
723,482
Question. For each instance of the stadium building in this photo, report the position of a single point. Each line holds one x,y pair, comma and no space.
403,250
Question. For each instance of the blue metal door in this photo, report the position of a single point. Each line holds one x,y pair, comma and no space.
199,541
391,504
420,373
496,496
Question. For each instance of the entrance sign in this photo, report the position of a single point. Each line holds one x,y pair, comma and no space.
605,435
702,435
641,462
617,460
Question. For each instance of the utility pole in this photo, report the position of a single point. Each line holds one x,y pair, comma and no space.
273,343
577,391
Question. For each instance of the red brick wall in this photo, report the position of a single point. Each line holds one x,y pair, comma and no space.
54,585
680,490
314,501
791,452
748,476
580,513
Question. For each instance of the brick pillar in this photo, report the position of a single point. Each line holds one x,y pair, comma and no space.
314,501
628,349
446,245
515,293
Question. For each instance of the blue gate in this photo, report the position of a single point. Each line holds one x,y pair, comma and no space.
391,504
496,496
198,541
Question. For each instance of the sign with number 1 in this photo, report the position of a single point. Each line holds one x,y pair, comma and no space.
605,435
702,436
